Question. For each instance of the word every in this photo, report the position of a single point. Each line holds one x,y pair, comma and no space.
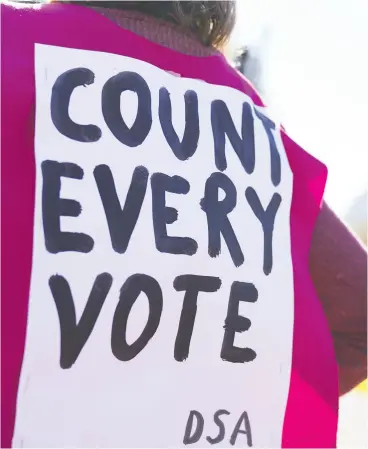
75,335
122,220
192,436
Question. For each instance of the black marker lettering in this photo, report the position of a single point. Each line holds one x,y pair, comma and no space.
217,216
192,285
267,220
54,207
221,426
111,93
186,148
129,293
121,222
247,430
163,215
74,336
222,125
269,126
194,438
240,291
60,99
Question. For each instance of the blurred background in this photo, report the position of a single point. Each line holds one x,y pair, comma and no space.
309,61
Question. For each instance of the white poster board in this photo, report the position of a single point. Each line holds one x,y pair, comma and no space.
84,383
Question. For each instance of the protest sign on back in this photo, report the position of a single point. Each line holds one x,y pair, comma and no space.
162,300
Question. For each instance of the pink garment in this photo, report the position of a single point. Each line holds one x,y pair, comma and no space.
312,409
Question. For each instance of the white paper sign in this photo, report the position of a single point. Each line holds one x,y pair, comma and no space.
161,303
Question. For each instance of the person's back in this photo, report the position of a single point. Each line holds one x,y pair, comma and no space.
127,179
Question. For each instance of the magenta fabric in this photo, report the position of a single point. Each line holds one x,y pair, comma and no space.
312,408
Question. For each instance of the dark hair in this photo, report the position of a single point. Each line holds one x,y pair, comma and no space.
210,21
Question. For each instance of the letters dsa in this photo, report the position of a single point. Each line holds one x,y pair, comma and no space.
195,426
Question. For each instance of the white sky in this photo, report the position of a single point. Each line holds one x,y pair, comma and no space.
315,76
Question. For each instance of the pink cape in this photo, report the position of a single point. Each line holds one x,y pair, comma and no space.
312,408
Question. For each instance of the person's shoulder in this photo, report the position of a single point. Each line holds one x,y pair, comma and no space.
22,26
23,18
16,33
18,9
25,25
20,12
12,12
